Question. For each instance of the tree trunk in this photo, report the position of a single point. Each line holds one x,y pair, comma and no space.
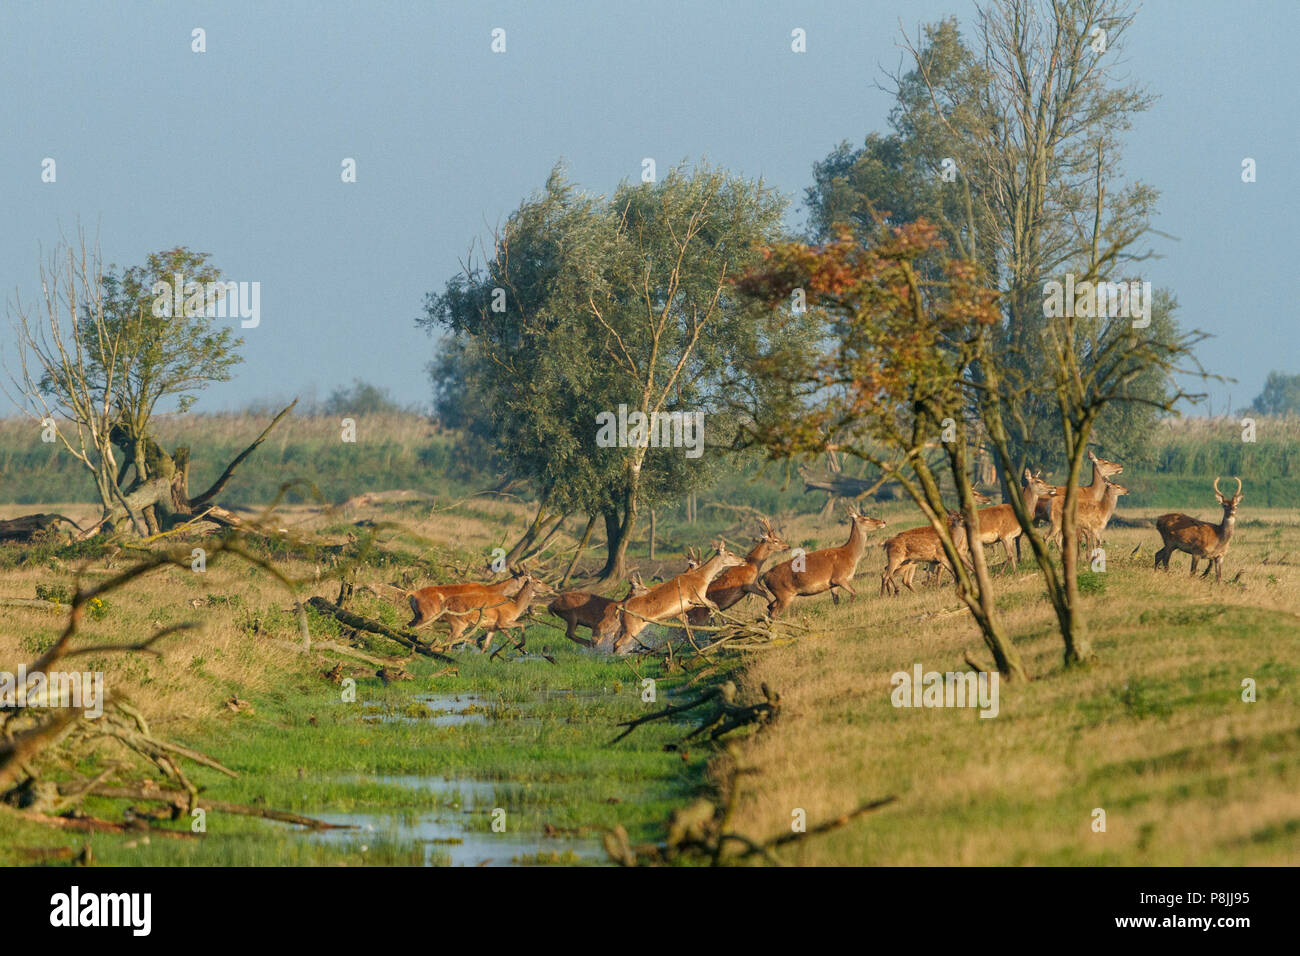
619,535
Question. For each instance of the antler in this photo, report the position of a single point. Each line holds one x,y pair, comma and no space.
1216,487
1238,481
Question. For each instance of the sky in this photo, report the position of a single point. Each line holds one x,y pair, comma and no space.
238,151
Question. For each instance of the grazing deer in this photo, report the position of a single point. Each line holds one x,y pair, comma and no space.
733,584
624,621
584,609
998,522
1200,539
909,549
823,570
427,604
1095,515
1052,508
493,612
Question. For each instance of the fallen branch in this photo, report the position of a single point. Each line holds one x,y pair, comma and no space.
178,798
361,623
726,717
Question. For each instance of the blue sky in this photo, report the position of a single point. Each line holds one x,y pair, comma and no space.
237,151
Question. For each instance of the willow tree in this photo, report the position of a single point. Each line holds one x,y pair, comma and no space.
1032,121
585,304
94,362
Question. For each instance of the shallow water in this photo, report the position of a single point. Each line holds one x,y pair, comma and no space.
450,834
444,710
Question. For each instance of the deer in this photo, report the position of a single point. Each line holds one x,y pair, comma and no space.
492,612
1052,507
935,569
1200,539
1095,515
584,609
731,587
427,604
622,622
824,570
909,549
998,522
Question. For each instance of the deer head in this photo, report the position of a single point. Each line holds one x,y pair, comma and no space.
1229,504
771,538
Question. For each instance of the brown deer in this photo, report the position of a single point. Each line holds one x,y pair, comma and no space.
491,612
934,569
1200,539
908,550
1095,515
729,588
998,522
1051,508
823,570
584,609
622,622
427,604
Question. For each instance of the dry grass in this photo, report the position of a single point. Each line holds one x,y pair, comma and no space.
1155,733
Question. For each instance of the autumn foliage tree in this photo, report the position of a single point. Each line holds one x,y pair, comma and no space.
900,326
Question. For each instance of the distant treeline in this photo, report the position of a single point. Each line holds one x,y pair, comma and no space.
402,450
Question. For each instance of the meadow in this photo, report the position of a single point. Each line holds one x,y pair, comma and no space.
1155,733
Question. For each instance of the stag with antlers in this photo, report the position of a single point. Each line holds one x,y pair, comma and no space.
1200,539
730,587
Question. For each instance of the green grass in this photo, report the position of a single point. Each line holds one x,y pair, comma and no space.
304,750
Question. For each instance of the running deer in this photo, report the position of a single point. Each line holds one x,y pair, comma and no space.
733,584
622,622
908,550
584,609
428,604
998,522
492,612
1200,539
1095,515
1052,508
823,570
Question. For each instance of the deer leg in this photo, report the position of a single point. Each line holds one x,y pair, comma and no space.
1195,561
1006,546
1218,570
849,587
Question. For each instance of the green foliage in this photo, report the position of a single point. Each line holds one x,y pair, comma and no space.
587,303
162,356
361,398
1281,395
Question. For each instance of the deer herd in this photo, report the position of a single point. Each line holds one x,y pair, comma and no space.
708,587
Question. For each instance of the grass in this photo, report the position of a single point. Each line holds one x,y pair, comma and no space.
1155,732
404,451
301,747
